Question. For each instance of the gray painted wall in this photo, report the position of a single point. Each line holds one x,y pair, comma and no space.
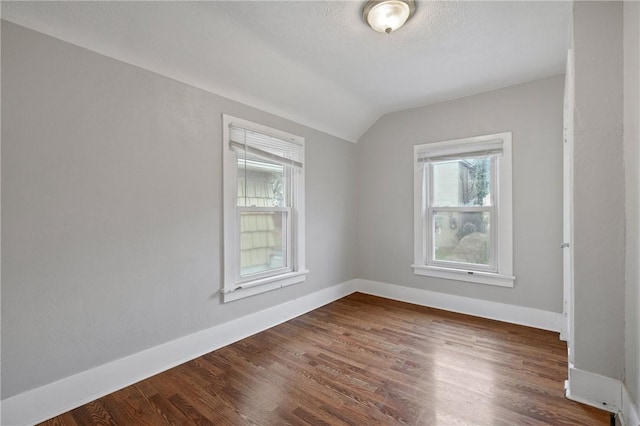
632,195
111,188
533,112
599,206
111,228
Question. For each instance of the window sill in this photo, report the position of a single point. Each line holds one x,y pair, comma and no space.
464,275
252,288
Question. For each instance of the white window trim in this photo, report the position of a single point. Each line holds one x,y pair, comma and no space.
504,232
233,288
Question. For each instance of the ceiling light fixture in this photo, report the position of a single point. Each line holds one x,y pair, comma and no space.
386,16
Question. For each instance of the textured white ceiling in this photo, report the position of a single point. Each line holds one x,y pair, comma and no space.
316,62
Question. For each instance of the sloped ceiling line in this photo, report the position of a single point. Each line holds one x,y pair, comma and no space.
316,62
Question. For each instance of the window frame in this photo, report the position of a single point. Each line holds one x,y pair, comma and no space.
500,270
234,286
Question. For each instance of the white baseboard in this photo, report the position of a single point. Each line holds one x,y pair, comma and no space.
465,305
61,396
629,409
602,392
594,390
564,332
58,397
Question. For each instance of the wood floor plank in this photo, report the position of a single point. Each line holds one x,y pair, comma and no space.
362,360
65,419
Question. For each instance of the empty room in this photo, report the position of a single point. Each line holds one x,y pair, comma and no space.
388,212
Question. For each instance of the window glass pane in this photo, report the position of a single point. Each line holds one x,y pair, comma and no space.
462,237
462,182
263,239
260,183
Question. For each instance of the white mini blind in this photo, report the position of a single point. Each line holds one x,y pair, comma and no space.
279,150
444,152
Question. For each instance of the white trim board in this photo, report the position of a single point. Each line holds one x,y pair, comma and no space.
594,390
602,392
521,315
59,397
629,409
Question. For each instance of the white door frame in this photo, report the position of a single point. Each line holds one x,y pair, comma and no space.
567,206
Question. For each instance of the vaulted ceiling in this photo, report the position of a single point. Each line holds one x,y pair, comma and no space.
317,62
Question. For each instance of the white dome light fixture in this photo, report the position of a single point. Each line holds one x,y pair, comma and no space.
386,16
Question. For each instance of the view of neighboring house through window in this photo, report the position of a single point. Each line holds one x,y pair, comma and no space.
463,209
461,212
264,208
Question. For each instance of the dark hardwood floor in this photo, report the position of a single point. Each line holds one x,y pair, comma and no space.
362,360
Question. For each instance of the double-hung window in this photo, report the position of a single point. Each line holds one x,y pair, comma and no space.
263,208
463,211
